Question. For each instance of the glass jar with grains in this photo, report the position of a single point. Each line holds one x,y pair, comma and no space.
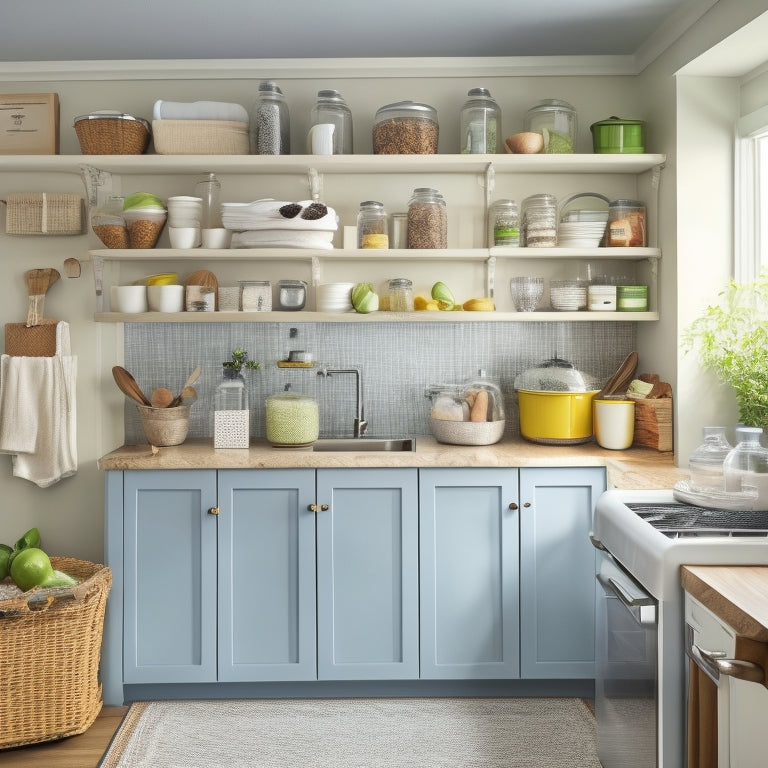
270,122
480,123
405,128
504,223
400,295
372,225
427,219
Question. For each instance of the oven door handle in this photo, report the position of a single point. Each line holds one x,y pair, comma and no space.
640,604
716,663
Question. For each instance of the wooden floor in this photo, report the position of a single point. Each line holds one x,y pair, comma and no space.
84,751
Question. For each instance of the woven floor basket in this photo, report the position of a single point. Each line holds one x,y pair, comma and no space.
49,658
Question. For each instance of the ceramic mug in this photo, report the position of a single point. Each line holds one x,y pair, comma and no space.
320,139
614,423
165,298
130,299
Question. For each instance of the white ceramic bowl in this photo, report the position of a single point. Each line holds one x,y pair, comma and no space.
216,238
184,237
165,298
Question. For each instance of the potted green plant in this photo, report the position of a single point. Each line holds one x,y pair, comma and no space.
731,338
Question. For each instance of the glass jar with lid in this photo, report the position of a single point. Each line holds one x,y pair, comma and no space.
479,123
626,224
555,120
372,225
331,108
504,223
400,295
208,189
706,462
538,218
230,411
270,129
405,128
427,219
745,468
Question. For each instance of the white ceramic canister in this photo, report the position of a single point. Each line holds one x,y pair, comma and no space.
601,298
614,423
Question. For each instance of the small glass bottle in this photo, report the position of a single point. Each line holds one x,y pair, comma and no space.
331,108
427,219
746,466
230,411
270,122
706,462
372,225
208,189
400,295
504,223
479,124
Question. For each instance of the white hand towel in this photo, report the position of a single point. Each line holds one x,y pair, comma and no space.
38,413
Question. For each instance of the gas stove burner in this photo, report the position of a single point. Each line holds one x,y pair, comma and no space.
688,520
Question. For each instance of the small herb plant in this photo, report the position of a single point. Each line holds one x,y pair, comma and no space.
732,340
240,360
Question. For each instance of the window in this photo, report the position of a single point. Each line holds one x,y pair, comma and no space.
751,205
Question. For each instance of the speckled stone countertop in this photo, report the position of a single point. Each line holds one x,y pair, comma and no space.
636,468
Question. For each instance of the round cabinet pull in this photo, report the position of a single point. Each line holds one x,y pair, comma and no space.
312,508
213,511
513,506
324,507
527,504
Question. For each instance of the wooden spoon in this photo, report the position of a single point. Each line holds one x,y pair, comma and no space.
191,379
188,395
161,397
128,385
621,378
38,283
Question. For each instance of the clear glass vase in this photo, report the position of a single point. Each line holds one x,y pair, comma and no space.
231,416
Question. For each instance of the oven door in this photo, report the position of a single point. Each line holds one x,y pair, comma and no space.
626,656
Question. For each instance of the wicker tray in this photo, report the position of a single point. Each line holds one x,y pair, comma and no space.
44,213
200,137
50,647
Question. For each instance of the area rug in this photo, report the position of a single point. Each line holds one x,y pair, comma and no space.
357,733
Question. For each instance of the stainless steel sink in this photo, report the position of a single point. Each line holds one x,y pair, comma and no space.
356,444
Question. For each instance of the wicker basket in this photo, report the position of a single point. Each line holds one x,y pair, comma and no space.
164,426
50,647
44,213
200,137
112,134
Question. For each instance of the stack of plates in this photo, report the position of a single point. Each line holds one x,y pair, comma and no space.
334,297
568,295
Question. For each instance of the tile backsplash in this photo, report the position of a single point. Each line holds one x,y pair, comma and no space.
397,362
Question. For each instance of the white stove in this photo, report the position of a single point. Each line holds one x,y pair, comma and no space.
650,535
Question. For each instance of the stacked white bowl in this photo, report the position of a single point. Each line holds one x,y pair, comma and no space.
184,215
334,297
568,295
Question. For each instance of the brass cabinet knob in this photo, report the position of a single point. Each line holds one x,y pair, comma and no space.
513,506
213,511
324,507
315,508
527,504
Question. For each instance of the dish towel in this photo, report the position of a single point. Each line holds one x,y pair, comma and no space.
38,423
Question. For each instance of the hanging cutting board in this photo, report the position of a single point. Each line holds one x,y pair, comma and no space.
36,337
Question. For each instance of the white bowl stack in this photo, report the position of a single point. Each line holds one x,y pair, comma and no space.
334,297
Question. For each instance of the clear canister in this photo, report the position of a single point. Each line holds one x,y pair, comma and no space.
405,128
555,120
256,295
627,226
538,219
270,130
427,219
208,189
479,123
504,223
400,295
331,108
372,225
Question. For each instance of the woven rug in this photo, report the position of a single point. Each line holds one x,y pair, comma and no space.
357,733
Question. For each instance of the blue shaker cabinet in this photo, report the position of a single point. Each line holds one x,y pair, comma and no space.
557,571
469,573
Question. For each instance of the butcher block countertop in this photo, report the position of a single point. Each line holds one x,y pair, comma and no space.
636,468
737,594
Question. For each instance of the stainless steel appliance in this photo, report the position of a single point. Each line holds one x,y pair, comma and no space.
648,536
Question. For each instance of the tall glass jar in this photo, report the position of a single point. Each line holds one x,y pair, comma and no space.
555,120
427,219
480,124
230,411
208,189
400,295
745,467
331,108
538,219
504,223
706,462
372,225
270,122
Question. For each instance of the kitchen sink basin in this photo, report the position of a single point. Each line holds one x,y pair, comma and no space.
356,444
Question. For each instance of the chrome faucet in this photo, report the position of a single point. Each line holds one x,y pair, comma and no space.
360,424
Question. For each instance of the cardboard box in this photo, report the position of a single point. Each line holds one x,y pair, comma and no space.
29,124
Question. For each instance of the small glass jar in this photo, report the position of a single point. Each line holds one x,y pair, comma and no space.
398,230
400,295
504,223
626,224
706,462
555,120
427,219
745,468
231,416
331,108
256,295
372,225
270,122
208,189
480,124
405,128
539,221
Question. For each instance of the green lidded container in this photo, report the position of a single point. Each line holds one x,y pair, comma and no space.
618,136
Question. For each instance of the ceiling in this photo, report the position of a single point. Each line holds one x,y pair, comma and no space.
84,30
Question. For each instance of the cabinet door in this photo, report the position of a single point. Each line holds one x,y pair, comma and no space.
557,571
367,574
469,573
170,576
266,575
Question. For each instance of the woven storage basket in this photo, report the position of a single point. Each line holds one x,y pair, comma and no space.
200,137
44,213
164,426
49,657
101,134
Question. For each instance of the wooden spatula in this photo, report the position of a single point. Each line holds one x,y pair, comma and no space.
38,283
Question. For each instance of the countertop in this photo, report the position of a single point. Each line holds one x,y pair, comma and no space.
635,468
737,594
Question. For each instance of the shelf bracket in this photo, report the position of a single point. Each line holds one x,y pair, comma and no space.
489,183
98,281
315,184
317,272
490,276
98,185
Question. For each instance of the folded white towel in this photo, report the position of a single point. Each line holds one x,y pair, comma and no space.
280,238
38,423
279,214
200,110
